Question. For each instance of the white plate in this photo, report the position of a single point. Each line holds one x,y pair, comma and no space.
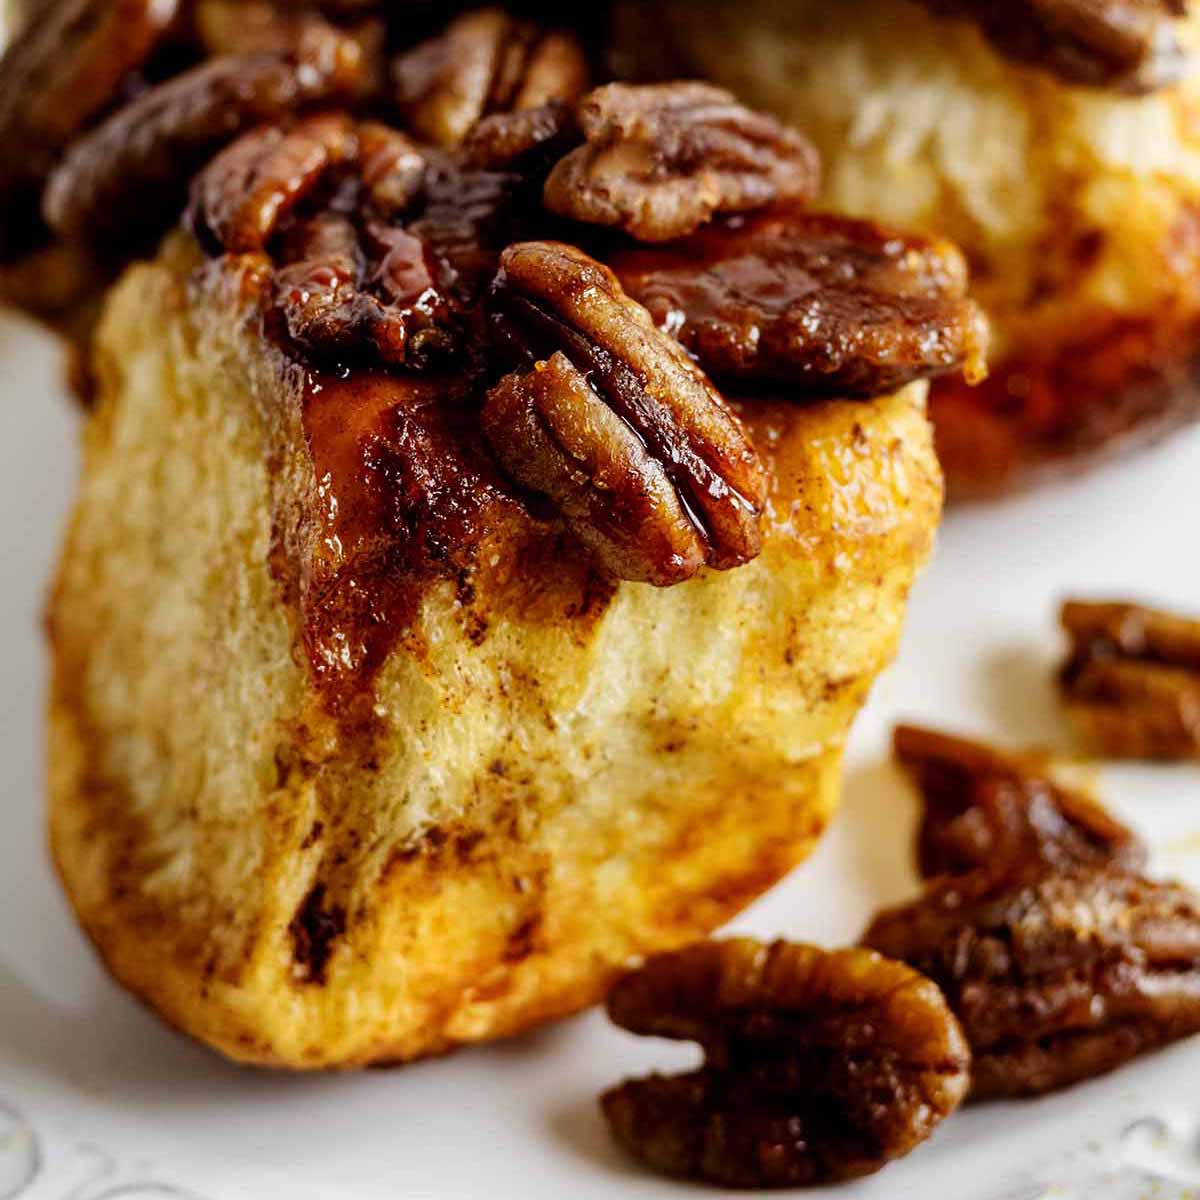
97,1099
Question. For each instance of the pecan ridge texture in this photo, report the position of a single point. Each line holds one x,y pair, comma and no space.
1059,958
1056,975
486,62
787,298
820,1066
686,467
658,160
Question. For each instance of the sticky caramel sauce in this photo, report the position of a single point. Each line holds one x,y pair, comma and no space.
404,496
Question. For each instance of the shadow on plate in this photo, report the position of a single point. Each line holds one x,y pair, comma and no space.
579,1126
1017,685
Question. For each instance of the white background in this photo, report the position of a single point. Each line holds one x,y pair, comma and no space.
106,1098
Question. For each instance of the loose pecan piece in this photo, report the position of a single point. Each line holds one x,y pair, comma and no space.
65,67
485,62
1129,45
826,305
1132,680
819,1066
129,175
548,298
661,159
1056,976
990,811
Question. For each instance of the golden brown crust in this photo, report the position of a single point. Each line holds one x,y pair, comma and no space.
553,774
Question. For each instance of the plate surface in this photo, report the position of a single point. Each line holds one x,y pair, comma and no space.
97,1099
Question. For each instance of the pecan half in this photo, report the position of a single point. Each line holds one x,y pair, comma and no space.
661,159
485,62
1129,45
549,297
556,436
826,305
129,176
990,811
1132,680
246,190
66,66
1056,976
819,1066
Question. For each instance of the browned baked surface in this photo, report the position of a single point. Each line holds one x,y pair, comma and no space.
432,635
549,772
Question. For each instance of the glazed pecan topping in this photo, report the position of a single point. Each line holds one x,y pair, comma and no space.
486,62
67,65
661,159
556,436
129,175
1130,45
1056,976
350,278
828,305
246,191
990,811
1132,680
248,188
819,1066
548,298
513,140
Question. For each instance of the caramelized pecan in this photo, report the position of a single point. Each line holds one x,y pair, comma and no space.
990,811
661,159
828,305
819,1066
509,140
557,437
485,62
129,176
65,67
1132,680
549,297
350,280
1130,45
245,191
1056,976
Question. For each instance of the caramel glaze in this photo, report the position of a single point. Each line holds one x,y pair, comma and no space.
406,498
384,491
826,304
